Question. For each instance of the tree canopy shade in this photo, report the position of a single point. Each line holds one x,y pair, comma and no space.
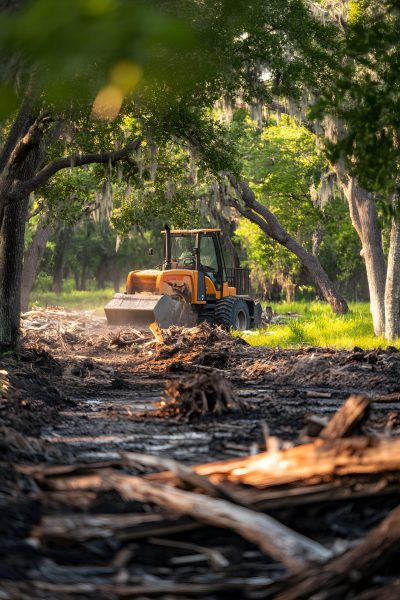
105,49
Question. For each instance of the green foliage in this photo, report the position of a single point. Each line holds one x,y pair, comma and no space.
365,95
166,53
318,326
69,193
340,246
281,161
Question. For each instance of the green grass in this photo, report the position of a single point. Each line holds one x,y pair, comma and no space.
75,300
318,326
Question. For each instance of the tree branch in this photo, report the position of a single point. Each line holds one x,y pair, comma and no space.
74,161
17,130
251,215
267,221
276,230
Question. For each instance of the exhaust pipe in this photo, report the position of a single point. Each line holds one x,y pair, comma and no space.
167,253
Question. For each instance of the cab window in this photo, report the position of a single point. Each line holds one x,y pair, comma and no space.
182,256
208,260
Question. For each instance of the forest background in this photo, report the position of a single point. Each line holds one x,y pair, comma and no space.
288,142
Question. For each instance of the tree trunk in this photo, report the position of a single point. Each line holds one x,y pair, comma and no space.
259,214
82,285
32,260
289,288
365,221
19,165
62,240
116,278
12,232
392,288
101,274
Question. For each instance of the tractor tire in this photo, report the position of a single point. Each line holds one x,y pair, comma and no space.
232,312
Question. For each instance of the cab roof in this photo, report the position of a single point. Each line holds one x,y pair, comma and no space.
191,231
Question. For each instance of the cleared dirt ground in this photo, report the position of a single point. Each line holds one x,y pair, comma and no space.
79,393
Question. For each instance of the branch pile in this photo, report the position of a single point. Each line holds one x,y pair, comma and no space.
199,395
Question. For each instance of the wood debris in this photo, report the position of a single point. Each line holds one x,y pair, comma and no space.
231,495
104,495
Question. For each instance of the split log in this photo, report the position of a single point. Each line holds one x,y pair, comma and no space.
347,418
344,489
350,571
317,460
290,548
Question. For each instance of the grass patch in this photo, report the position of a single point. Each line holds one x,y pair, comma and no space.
93,300
318,326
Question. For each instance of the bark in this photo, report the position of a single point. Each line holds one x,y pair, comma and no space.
83,279
392,288
289,288
347,418
20,125
259,214
32,260
77,160
116,279
20,165
62,239
365,221
101,274
12,233
348,570
283,544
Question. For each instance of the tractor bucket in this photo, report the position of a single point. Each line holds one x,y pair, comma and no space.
140,310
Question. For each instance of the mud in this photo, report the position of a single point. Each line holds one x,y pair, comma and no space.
88,391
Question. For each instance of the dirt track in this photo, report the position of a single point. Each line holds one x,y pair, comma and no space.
86,395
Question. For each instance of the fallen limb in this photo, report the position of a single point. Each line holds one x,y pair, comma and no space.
184,473
104,590
290,548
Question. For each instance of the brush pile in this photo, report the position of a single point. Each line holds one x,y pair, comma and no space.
198,395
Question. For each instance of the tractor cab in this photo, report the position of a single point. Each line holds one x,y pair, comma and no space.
198,250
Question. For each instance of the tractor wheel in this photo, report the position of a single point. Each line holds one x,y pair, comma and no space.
232,312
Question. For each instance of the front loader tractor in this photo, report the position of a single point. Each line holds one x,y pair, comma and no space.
192,285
